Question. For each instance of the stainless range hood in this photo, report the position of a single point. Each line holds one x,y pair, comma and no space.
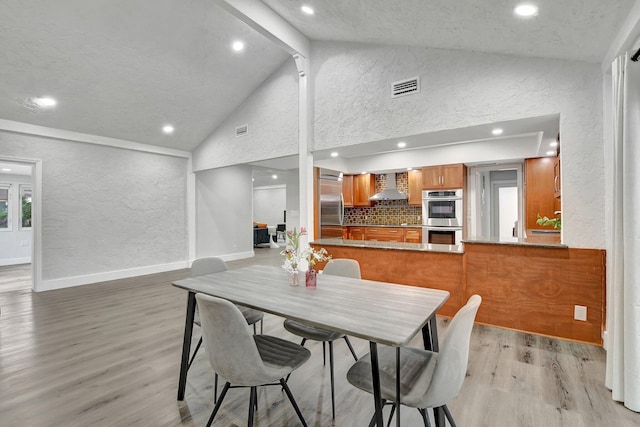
389,193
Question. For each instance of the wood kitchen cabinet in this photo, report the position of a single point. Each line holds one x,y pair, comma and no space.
443,177
384,234
347,190
415,187
413,235
539,190
364,186
356,233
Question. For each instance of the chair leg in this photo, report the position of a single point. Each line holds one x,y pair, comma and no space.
218,403
261,325
252,405
254,329
438,417
293,401
447,413
194,353
333,391
425,417
372,423
324,353
215,387
346,339
393,411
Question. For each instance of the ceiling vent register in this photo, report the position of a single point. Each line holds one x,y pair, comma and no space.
405,87
242,130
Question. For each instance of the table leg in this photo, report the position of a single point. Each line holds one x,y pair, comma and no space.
430,335
186,343
397,386
375,375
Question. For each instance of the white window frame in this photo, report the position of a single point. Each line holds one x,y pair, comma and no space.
30,188
7,186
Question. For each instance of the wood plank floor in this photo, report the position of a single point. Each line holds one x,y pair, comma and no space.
108,355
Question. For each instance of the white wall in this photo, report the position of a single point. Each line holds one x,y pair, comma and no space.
272,115
459,89
293,201
269,204
224,213
105,209
11,249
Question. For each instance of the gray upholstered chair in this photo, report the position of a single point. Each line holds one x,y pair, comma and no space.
336,267
242,359
427,379
210,265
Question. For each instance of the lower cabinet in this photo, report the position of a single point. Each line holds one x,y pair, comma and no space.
413,235
384,234
356,233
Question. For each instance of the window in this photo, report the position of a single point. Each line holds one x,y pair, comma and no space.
5,211
25,207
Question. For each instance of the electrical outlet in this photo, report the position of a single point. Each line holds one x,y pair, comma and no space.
580,312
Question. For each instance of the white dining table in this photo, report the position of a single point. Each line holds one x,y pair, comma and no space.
379,312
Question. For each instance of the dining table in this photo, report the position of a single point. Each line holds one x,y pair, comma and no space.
379,312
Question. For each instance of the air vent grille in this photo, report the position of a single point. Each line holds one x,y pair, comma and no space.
405,87
242,130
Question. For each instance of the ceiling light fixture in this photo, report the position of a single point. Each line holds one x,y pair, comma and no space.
409,169
363,172
6,170
274,176
168,129
308,10
526,10
551,153
45,102
334,154
497,131
237,46
402,144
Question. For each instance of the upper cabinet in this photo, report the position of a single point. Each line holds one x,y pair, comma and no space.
539,190
444,176
347,190
364,186
415,187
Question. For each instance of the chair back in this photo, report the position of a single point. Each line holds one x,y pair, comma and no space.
451,366
209,265
281,227
231,348
343,267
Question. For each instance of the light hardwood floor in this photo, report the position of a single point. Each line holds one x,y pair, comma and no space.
108,355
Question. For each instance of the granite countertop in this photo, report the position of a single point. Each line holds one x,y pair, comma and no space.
385,225
421,247
522,241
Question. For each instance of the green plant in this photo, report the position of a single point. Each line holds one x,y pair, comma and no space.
26,211
554,222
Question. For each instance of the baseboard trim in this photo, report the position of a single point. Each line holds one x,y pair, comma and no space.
14,261
68,282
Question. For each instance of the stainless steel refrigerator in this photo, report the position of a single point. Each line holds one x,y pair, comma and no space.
331,204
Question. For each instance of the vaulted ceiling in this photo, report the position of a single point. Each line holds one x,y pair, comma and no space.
123,69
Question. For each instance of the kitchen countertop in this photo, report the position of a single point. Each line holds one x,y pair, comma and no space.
385,225
420,247
539,241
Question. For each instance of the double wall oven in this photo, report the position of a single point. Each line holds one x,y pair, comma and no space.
442,216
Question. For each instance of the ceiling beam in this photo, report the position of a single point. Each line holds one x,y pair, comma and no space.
264,20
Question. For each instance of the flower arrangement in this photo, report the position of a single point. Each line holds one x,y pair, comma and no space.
292,255
313,256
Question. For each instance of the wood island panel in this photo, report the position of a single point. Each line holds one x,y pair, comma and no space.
435,270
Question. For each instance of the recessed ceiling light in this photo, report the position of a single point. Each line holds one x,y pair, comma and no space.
497,131
554,144
45,102
6,170
274,176
334,154
409,169
363,172
551,153
168,129
307,10
402,144
237,46
526,10
253,179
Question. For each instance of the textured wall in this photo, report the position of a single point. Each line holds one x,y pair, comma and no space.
352,84
224,200
103,208
272,115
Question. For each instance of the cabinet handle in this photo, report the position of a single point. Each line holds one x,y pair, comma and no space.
393,231
555,184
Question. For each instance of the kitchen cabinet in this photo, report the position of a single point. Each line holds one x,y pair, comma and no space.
556,177
415,187
345,233
413,235
443,177
347,190
384,234
356,233
539,191
364,186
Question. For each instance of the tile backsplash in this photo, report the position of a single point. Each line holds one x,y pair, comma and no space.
386,212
